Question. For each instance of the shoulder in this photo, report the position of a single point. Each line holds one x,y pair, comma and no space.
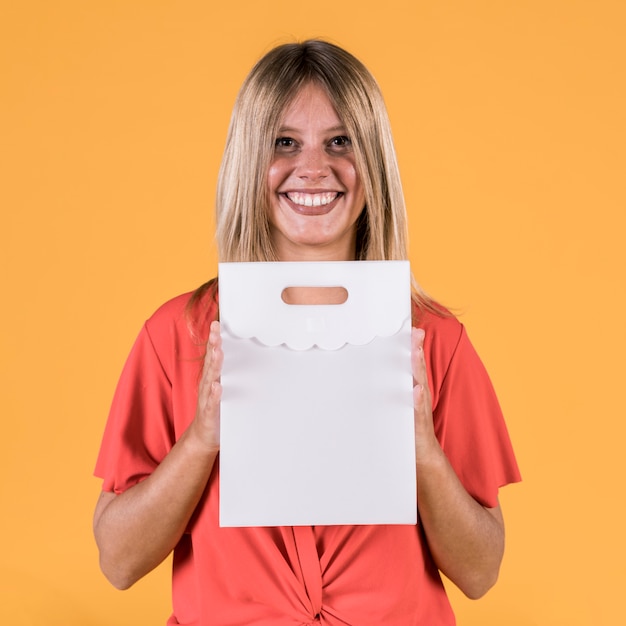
446,346
189,305
171,309
182,322
441,327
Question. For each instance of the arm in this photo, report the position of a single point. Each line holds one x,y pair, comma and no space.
466,539
136,530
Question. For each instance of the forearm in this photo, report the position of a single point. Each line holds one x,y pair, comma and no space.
136,530
466,539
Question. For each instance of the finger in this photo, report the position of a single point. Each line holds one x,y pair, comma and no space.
214,332
215,396
417,355
419,400
421,391
213,358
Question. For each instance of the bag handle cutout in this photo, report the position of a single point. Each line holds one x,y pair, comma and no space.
312,296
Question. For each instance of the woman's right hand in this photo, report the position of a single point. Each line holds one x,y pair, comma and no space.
205,427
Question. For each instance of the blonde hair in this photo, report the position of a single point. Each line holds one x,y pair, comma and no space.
243,231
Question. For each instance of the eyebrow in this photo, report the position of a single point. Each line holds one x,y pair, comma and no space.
332,129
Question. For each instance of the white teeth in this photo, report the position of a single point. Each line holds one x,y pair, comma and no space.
312,199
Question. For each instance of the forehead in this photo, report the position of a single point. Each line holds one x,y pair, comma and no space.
310,107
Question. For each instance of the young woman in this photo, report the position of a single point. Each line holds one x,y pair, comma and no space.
309,173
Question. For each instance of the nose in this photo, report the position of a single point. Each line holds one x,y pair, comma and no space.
313,164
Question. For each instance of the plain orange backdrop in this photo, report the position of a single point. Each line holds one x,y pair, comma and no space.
509,124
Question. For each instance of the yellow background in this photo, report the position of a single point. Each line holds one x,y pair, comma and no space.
509,123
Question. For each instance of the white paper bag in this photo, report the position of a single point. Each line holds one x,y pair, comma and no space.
317,405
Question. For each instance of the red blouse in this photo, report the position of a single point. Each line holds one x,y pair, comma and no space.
292,576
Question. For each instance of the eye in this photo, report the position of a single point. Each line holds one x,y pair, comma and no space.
341,142
285,144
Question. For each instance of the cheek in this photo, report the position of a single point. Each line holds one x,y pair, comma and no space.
276,174
351,177
271,178
357,187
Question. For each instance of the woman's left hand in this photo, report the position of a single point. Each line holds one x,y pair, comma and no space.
426,443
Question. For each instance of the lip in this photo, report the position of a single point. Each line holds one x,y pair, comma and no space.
311,210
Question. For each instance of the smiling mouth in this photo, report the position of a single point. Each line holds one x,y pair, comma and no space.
312,199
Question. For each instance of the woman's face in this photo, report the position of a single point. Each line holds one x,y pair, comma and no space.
315,192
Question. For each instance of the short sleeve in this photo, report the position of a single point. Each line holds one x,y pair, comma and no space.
469,422
139,431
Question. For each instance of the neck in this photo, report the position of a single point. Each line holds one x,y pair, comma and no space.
317,253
